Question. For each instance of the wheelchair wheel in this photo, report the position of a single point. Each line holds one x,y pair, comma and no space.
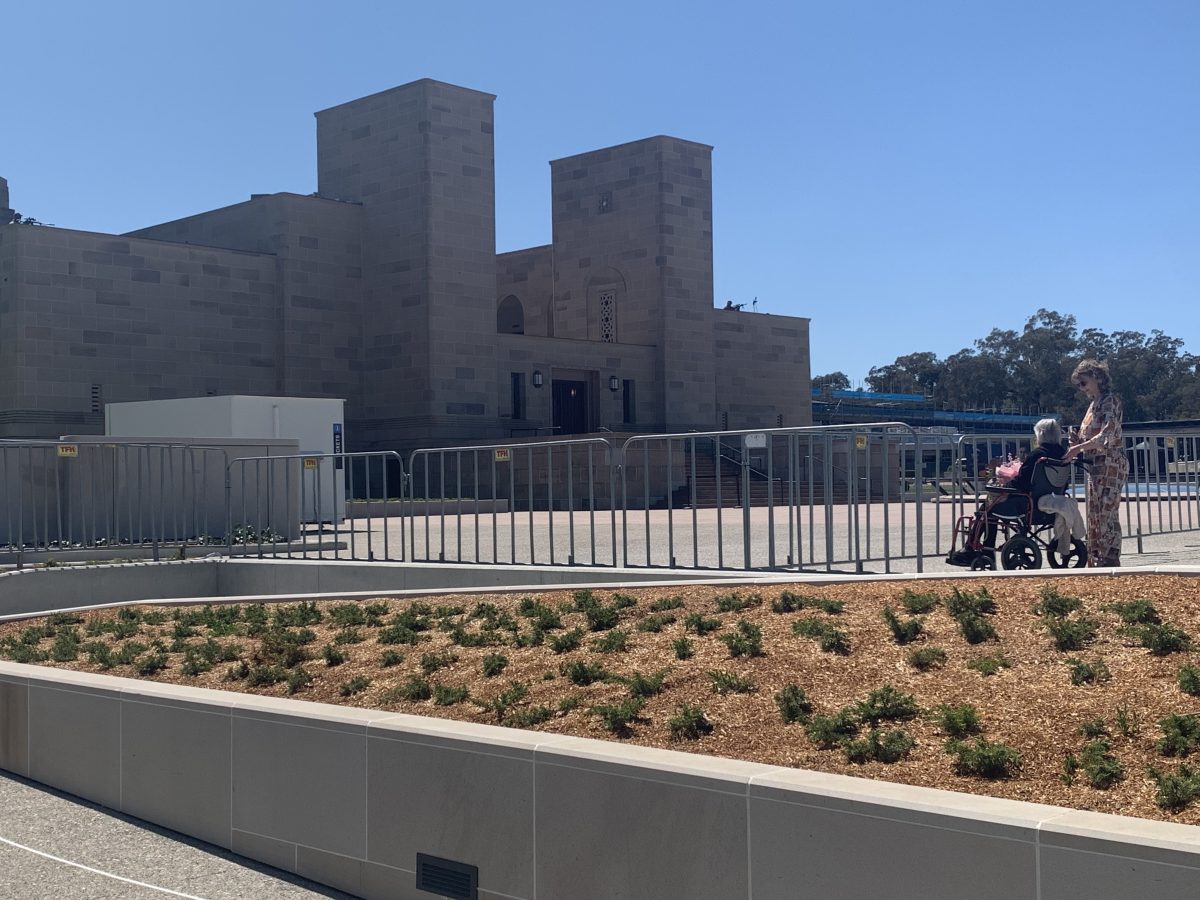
1076,559
1021,552
983,562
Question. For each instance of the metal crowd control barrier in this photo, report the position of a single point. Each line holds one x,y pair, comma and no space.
59,496
502,498
819,496
318,505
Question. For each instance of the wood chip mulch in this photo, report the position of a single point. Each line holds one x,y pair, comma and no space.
1031,706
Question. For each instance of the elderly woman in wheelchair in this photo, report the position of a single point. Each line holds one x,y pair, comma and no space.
1033,513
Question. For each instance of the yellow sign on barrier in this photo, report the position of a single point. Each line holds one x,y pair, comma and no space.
860,442
502,454
310,462
68,451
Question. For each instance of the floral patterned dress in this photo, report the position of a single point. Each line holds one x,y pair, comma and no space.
1106,477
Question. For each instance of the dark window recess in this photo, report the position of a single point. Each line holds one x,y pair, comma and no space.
779,421
447,878
605,204
518,394
97,398
628,402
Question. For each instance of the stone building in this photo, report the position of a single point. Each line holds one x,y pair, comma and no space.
384,288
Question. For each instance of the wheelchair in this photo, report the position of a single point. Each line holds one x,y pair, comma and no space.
1021,533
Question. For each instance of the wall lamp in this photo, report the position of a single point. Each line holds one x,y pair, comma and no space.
614,384
537,378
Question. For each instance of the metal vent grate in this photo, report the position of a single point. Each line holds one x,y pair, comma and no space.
447,878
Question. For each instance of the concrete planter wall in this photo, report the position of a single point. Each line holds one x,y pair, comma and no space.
348,797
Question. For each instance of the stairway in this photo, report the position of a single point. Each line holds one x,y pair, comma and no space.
731,487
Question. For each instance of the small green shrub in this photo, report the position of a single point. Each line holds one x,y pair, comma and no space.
903,632
602,618
793,703
965,602
1189,680
957,721
302,613
506,700
724,682
66,645
345,615
152,662
414,689
976,629
1136,612
1088,673
332,655
391,658
264,676
646,685
828,732
349,636
984,759
918,604
1056,605
1162,639
879,746
617,716
887,703
735,602
615,641
398,634
544,618
567,641
528,717
830,639
1128,720
689,723
1181,733
700,623
1094,728
925,658
656,623
666,603
1072,634
1175,791
623,601
298,679
989,664
448,695
355,685
744,640
431,662
788,602
494,664
582,601
1102,768
683,648
583,673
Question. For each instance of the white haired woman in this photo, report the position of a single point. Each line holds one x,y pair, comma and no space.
1068,523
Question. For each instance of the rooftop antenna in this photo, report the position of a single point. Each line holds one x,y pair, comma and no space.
754,304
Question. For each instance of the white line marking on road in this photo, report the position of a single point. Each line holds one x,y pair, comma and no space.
68,862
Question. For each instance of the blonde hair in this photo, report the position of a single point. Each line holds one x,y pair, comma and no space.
1093,368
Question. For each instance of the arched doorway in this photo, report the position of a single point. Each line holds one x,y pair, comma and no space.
510,316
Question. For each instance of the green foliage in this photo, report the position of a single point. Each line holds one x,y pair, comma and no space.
1072,634
303,613
683,648
66,645
828,732
431,662
483,638
284,646
1175,791
1128,720
416,688
265,676
1189,680
925,658
879,746
349,636
583,673
984,759
793,703
567,641
617,716
970,603
1181,733
581,601
397,633
528,717
355,685
903,632
623,601
789,601
989,664
735,602
448,695
887,703
506,700
724,682
646,685
744,640
1088,673
831,639
1162,639
976,629
152,662
666,603
615,641
298,679
391,658
1056,605
494,664
256,618
656,623
689,723
1136,612
916,604
957,721
1094,728
332,655
700,624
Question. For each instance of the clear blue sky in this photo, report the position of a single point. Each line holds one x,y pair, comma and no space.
908,175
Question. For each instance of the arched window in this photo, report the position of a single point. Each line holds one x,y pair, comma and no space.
608,316
510,316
